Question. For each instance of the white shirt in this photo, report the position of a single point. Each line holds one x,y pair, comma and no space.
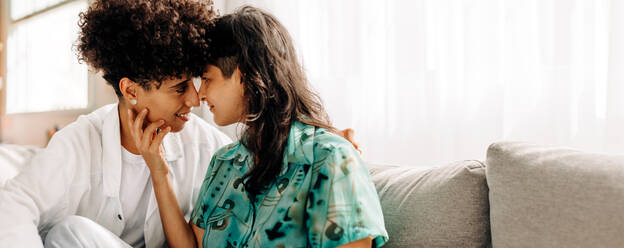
79,173
136,188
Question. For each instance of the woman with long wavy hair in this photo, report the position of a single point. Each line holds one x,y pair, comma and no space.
290,181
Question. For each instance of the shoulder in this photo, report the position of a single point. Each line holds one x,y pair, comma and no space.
98,117
311,144
308,144
336,157
232,151
74,146
85,129
328,144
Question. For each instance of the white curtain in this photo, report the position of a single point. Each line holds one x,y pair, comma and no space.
425,82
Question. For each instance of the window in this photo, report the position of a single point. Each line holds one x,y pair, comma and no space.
43,72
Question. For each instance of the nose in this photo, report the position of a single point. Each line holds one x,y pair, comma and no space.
201,93
192,99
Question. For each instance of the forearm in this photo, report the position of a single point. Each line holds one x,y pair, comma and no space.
362,243
177,230
148,141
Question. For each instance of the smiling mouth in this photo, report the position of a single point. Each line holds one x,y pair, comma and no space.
183,116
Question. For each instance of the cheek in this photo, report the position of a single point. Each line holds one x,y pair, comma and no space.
241,103
163,108
210,93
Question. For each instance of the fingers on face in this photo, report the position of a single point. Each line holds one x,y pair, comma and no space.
149,132
149,138
138,122
158,139
349,133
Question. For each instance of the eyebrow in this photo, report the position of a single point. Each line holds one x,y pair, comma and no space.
180,84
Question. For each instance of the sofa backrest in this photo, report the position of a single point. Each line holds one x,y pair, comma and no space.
544,196
443,206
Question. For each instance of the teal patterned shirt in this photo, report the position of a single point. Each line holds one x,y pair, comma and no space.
323,197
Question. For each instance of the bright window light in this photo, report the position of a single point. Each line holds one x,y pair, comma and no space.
22,8
43,73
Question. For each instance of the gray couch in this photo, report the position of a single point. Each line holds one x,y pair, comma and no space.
523,195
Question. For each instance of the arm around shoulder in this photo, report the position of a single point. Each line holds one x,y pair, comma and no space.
348,211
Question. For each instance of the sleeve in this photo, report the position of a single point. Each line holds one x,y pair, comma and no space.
197,216
36,192
343,205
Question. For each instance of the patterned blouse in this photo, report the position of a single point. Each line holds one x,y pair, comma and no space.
323,197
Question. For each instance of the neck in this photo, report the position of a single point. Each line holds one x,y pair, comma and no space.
126,138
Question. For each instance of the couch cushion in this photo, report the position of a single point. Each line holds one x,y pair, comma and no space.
554,197
434,207
12,160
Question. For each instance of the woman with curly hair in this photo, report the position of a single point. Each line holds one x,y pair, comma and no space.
89,187
289,181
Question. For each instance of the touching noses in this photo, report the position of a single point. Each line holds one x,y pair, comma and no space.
201,92
192,98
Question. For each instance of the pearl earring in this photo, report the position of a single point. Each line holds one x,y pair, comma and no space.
133,102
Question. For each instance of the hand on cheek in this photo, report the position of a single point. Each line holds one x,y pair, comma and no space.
148,139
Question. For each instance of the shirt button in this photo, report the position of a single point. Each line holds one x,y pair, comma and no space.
119,216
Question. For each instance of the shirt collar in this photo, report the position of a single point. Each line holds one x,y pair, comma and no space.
111,151
299,148
234,151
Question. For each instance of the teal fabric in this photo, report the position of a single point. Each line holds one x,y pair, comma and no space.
323,197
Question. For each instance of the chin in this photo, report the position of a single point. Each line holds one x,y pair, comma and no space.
221,122
175,129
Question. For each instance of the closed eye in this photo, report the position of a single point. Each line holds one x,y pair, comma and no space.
181,89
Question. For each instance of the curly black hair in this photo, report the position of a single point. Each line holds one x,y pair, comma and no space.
145,40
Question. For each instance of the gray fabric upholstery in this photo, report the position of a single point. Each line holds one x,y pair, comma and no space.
434,207
12,160
554,197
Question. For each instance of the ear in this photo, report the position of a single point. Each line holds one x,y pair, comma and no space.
128,89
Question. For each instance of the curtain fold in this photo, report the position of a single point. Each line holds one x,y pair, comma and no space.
425,82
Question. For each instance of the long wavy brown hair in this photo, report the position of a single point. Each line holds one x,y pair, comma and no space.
275,87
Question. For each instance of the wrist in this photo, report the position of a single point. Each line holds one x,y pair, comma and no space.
159,176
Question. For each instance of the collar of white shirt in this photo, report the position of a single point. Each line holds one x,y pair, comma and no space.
111,149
